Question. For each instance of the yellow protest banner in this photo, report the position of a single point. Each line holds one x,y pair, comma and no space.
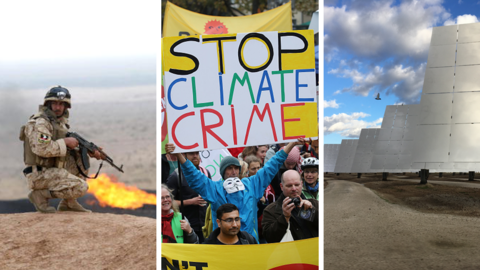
302,254
182,22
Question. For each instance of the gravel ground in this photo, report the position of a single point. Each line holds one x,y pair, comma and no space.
365,231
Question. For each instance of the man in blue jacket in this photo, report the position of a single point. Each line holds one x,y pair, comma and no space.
244,193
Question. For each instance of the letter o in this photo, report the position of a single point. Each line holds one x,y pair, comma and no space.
267,44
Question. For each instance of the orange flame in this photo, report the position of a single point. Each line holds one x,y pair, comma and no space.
109,192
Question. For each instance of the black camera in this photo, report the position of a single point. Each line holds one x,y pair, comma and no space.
296,201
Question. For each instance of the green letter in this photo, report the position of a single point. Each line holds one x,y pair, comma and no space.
282,72
242,82
195,105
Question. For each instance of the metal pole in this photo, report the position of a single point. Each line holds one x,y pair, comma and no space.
180,184
423,176
471,176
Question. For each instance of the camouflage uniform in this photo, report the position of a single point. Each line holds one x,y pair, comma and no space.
39,133
45,148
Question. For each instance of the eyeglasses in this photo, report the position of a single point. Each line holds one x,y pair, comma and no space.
230,220
165,198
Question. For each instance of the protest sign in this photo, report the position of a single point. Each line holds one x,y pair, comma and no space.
211,161
238,90
301,254
164,128
182,22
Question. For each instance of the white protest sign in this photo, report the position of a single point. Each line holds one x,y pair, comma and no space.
237,90
211,161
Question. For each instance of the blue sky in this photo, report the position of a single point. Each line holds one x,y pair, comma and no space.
381,47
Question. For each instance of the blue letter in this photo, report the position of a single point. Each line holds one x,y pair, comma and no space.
265,75
297,85
169,95
221,87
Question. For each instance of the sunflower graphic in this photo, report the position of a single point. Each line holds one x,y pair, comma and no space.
215,27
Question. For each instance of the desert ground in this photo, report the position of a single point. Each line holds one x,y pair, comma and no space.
79,241
121,120
399,224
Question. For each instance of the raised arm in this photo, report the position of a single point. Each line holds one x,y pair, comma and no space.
264,176
170,147
290,145
198,181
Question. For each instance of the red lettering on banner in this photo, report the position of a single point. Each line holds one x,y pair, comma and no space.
208,129
290,120
234,126
303,266
261,117
174,136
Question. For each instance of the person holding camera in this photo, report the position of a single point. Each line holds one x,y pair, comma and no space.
244,193
291,207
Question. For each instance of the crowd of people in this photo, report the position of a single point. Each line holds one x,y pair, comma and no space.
266,193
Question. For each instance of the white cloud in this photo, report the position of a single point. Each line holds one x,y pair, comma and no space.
379,30
449,22
467,18
462,19
389,43
404,82
330,104
348,125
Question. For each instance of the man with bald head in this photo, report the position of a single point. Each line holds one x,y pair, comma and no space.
277,215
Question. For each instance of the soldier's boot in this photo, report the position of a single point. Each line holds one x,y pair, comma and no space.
71,205
39,198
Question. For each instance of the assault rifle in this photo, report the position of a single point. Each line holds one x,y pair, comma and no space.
85,147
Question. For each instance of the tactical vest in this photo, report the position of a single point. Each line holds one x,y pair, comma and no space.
59,132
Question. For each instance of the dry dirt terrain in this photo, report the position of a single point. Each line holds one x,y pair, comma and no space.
121,120
397,224
77,241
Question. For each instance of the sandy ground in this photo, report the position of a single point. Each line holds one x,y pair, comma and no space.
365,231
77,241
446,195
121,120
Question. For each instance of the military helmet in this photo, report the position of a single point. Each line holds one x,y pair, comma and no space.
58,93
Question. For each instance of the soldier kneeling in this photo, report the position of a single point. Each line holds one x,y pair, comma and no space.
53,165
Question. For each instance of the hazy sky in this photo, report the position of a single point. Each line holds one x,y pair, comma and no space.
82,43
